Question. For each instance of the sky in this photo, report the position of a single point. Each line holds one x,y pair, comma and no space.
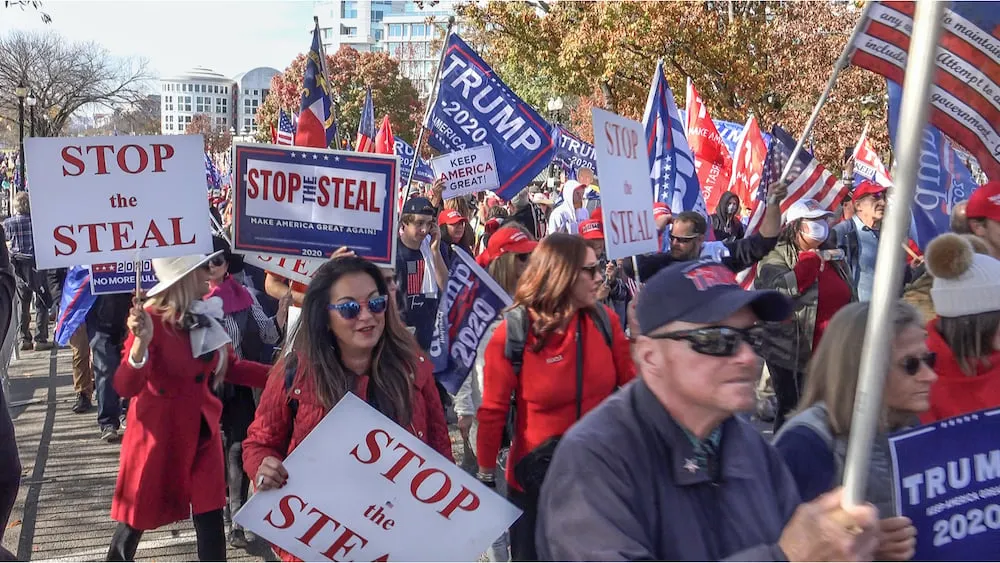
227,36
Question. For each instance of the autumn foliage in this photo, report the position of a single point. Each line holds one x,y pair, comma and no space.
350,72
217,139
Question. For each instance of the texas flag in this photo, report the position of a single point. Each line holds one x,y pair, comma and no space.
867,164
711,157
316,127
748,162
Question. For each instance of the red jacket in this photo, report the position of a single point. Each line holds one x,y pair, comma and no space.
546,388
269,433
169,468
956,393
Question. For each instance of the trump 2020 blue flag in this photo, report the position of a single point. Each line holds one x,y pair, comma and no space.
672,170
572,152
317,125
75,303
947,481
423,172
942,179
729,131
472,301
474,107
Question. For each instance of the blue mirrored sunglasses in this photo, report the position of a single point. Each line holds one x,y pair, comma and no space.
351,309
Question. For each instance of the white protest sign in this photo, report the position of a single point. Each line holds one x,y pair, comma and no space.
626,196
361,488
468,171
99,199
295,268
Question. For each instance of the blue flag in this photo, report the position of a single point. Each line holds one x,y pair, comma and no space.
212,176
472,301
474,107
573,153
423,172
75,303
947,481
672,170
729,131
942,180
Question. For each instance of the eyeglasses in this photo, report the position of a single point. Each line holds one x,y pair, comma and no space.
675,238
911,364
351,309
718,341
592,269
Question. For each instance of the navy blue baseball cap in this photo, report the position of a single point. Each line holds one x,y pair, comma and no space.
419,206
703,292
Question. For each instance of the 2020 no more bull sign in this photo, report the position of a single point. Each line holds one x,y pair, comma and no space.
361,488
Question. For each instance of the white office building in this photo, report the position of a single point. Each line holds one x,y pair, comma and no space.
200,90
253,87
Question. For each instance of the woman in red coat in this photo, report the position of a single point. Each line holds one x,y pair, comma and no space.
351,340
171,459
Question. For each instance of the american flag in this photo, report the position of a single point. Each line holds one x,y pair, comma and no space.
806,180
366,128
286,130
963,97
108,268
414,277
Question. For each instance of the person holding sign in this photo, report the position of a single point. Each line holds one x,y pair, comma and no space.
350,340
814,441
177,356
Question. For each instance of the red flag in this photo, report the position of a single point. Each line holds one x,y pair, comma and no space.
711,157
748,162
274,136
385,143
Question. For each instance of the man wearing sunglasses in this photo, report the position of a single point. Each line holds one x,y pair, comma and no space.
663,470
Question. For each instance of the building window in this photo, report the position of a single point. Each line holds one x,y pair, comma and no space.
327,33
378,35
180,127
246,122
187,104
349,9
418,30
377,16
395,30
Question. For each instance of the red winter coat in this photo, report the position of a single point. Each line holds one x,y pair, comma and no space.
171,456
269,433
956,393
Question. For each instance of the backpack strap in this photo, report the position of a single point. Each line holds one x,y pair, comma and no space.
291,366
600,316
517,336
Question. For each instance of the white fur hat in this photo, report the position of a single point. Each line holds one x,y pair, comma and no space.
965,282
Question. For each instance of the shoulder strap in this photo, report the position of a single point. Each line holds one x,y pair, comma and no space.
517,336
291,365
579,366
603,322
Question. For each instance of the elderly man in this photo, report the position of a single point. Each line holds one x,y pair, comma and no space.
663,470
30,282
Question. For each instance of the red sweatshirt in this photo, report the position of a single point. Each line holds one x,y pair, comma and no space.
956,393
546,388
834,292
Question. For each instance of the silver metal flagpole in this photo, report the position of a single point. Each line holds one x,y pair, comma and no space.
430,106
329,86
888,269
838,66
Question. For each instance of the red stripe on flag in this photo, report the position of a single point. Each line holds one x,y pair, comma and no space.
804,191
968,139
901,6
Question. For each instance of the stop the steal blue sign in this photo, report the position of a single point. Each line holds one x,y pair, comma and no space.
948,483
309,202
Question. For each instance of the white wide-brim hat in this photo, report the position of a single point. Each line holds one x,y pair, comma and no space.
171,270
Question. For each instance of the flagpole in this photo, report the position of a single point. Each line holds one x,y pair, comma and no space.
329,84
877,346
430,106
841,64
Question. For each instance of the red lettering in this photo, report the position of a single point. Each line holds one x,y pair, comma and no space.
73,160
123,161
121,232
349,183
266,176
102,164
160,154
91,229
362,195
456,502
422,476
372,199
284,505
340,544
175,227
153,233
338,185
67,240
253,190
373,446
403,461
323,197
321,521
294,185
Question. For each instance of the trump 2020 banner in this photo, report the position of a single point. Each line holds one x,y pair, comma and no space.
573,152
474,107
405,152
472,301
309,202
948,482
119,277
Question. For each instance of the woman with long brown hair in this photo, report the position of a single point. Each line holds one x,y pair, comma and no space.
574,355
351,340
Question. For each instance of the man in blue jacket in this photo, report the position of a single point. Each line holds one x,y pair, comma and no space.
663,470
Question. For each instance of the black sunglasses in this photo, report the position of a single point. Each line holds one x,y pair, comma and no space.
911,364
592,269
718,341
351,309
675,238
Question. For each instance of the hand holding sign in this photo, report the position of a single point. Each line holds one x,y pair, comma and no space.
141,326
822,530
271,474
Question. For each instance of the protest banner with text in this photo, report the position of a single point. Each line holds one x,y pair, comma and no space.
466,172
119,277
405,152
626,201
309,202
474,107
472,301
361,488
947,481
100,199
295,268
573,152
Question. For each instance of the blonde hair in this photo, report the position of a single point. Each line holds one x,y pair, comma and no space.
832,376
22,203
173,303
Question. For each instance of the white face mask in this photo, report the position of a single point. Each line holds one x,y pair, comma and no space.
816,230
731,208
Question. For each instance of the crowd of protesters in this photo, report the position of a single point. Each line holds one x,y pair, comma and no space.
644,372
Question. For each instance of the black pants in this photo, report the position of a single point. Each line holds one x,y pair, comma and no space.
208,527
787,390
236,479
32,290
522,532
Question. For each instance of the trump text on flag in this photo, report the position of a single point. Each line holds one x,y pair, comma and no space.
626,200
99,199
391,493
309,202
468,171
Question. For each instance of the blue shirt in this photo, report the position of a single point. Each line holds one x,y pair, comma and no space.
18,228
864,274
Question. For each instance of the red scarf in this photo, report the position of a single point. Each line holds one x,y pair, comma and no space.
234,296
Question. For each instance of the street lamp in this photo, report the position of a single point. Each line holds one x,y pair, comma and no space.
21,91
31,101
555,106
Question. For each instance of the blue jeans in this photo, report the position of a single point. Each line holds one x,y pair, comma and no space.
106,353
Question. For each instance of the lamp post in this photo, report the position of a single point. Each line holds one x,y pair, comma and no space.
21,91
554,106
31,101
